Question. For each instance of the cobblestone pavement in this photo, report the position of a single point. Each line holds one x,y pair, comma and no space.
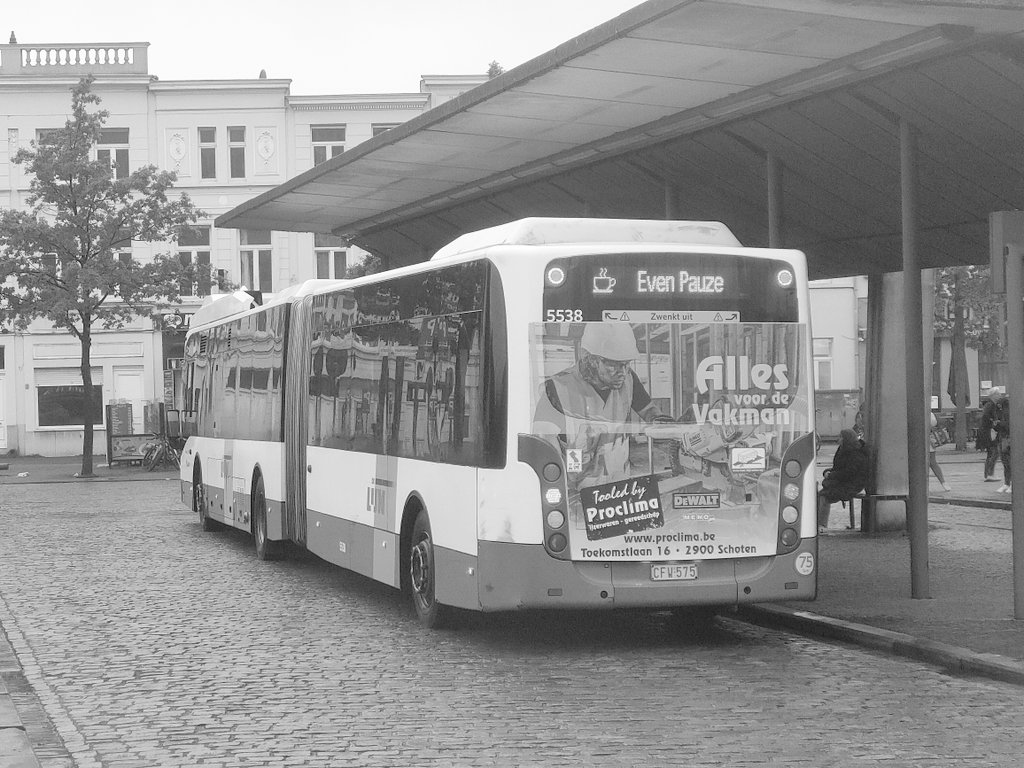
148,643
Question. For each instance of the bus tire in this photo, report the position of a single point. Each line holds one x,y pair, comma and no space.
199,501
266,549
422,575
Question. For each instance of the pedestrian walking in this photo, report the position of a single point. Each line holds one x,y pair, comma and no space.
1002,427
934,441
987,439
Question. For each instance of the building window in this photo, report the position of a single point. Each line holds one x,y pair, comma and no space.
194,250
330,255
256,263
822,363
379,128
208,153
328,141
64,405
51,264
2,362
113,150
236,151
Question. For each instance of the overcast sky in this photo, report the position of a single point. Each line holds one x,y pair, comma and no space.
323,46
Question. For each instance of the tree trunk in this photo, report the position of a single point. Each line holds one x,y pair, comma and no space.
87,398
958,368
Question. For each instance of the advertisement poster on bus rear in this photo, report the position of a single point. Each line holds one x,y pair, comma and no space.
672,433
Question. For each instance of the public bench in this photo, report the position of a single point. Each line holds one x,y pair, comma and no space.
873,497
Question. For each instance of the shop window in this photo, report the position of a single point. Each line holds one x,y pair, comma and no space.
64,405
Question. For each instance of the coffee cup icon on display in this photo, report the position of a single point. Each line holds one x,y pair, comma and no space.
603,283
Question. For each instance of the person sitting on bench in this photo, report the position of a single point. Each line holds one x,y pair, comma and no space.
846,478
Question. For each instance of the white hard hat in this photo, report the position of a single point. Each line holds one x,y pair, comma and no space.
614,341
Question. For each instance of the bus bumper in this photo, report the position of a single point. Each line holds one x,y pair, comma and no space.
518,576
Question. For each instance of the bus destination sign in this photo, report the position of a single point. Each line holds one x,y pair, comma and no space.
677,282
645,281
672,287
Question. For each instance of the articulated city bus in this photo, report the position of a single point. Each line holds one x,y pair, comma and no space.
551,413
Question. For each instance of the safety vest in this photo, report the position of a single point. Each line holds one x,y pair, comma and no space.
596,426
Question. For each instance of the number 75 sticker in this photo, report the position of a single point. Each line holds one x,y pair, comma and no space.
804,563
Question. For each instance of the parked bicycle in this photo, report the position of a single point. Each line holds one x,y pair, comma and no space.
161,452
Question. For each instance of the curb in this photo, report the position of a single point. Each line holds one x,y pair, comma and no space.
960,661
15,747
983,503
48,481
45,477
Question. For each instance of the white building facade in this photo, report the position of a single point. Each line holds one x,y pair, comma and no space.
838,327
227,140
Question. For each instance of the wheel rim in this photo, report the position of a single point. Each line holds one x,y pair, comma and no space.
259,513
199,494
421,572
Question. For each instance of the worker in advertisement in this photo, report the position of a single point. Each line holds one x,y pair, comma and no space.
590,404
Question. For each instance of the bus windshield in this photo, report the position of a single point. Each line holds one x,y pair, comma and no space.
672,422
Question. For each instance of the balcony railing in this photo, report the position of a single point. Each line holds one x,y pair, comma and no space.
97,58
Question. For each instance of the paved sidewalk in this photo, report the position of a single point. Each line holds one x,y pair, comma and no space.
864,594
66,469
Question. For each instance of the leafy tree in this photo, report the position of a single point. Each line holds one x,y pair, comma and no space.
969,314
371,264
60,260
494,69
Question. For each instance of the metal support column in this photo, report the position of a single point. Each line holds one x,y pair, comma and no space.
917,406
1015,391
776,231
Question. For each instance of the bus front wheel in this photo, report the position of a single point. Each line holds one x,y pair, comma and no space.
422,570
266,549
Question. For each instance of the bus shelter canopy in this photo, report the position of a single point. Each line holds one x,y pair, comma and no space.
672,110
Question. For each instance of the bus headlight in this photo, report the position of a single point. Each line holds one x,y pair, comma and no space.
553,496
790,514
791,491
556,542
556,519
789,537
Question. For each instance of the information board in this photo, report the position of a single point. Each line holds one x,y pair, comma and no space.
119,418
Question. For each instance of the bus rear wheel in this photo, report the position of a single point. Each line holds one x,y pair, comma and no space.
199,501
266,549
422,571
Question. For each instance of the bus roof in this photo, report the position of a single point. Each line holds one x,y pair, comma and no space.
550,231
222,306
